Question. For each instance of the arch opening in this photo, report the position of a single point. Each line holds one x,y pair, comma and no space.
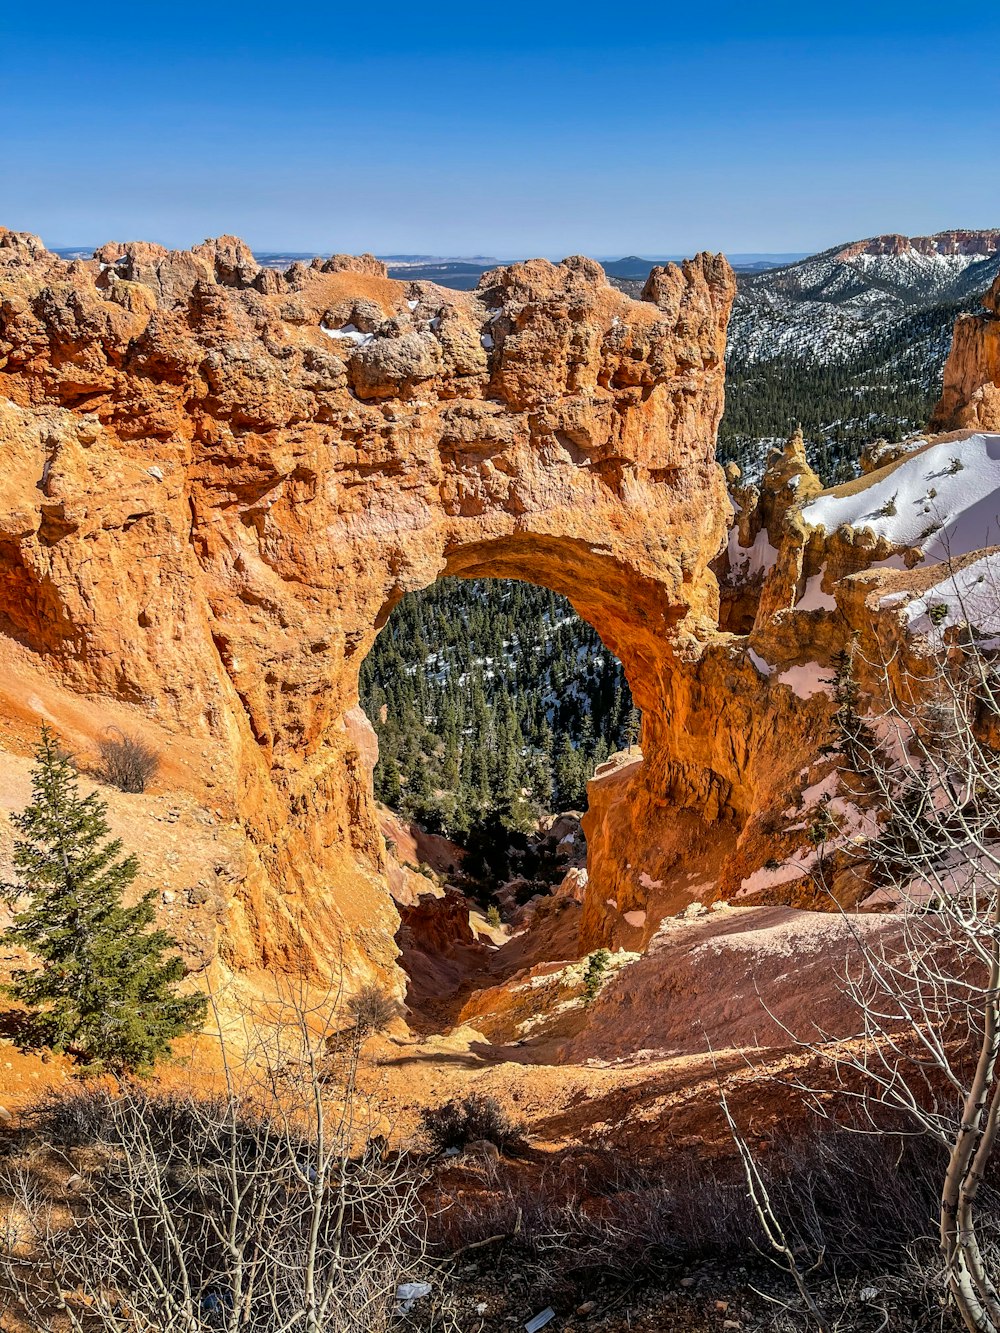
493,702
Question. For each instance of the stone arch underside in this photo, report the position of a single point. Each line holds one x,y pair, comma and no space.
214,502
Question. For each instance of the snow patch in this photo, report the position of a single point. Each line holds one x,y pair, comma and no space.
825,787
348,333
765,668
944,501
785,873
813,597
969,596
746,562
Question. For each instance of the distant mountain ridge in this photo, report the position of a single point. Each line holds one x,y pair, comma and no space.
850,342
826,303
944,243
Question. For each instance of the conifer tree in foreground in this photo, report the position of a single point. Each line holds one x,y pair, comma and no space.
102,987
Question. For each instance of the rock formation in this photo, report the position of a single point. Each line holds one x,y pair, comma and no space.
219,479
970,397
961,242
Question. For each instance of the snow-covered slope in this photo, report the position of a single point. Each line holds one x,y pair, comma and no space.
943,500
849,343
969,596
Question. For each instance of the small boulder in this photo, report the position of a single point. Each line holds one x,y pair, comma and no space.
488,1152
379,369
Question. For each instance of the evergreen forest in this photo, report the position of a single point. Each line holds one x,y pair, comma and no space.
886,389
491,696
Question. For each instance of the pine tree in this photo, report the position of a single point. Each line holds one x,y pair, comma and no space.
388,786
102,986
633,727
856,737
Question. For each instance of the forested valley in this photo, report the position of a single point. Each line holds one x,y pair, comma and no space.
491,697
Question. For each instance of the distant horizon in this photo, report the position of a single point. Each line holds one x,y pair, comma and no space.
416,256
481,257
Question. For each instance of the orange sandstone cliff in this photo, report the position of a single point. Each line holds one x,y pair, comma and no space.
970,397
218,480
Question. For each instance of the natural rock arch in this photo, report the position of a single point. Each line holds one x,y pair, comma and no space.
222,478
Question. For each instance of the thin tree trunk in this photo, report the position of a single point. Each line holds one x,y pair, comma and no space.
974,1293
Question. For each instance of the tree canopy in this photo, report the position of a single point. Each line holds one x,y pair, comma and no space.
102,982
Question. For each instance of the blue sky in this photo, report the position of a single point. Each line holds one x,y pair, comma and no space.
504,130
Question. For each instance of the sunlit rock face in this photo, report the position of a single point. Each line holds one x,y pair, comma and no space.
219,479
970,397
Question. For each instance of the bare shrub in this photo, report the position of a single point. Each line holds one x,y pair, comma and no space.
373,1008
477,1116
591,1218
617,1217
127,762
927,990
261,1208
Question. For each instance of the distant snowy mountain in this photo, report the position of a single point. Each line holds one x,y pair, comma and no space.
829,304
850,342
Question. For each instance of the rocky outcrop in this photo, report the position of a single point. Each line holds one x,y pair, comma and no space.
970,396
960,242
218,481
738,799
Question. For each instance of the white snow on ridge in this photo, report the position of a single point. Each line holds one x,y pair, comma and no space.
967,596
829,305
912,265
348,334
944,501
